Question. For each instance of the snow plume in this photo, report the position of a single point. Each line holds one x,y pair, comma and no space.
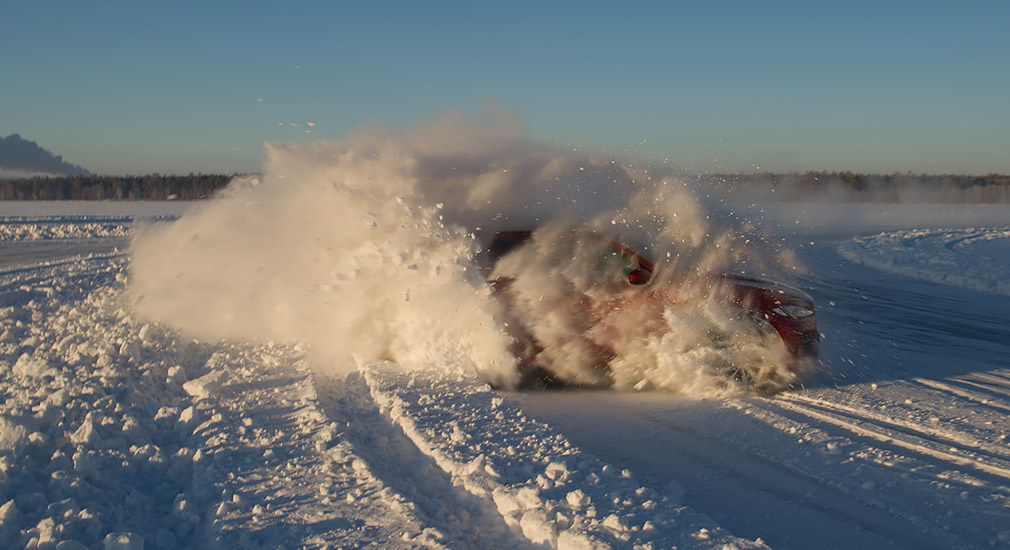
366,247
679,333
330,249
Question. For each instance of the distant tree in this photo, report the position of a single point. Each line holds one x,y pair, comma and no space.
93,187
853,187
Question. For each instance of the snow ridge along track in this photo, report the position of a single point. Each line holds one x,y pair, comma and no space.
551,492
915,465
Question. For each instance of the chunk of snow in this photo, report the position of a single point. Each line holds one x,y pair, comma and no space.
30,366
86,433
123,541
577,499
536,527
9,515
206,385
13,435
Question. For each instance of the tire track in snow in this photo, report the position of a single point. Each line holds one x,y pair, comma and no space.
912,438
991,381
957,507
290,477
757,473
22,282
784,482
446,513
951,386
946,437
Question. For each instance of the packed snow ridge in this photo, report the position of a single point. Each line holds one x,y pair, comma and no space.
20,229
977,259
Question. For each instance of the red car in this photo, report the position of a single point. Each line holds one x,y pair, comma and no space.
619,299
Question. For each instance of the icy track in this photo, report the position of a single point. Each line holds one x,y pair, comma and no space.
115,433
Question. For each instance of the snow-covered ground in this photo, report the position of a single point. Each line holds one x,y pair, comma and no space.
118,432
901,441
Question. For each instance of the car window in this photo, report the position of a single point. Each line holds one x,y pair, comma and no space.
594,259
614,266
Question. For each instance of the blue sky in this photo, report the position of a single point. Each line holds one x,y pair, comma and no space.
179,87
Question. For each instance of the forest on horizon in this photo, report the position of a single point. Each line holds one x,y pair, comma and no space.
788,187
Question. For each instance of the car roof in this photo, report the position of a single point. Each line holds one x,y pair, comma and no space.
504,242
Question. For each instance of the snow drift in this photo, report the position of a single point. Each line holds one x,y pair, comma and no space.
976,258
365,247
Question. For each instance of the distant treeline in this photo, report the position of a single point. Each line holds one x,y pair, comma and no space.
789,187
152,187
852,187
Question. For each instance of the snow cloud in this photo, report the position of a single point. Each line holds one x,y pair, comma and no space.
367,247
20,155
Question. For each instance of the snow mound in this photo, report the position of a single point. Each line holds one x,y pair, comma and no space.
977,259
92,449
17,228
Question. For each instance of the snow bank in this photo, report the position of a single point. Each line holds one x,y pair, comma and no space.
548,490
976,259
93,209
95,446
44,229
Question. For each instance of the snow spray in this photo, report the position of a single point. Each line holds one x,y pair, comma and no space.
365,249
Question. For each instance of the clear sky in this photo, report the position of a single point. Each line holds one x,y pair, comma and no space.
725,86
